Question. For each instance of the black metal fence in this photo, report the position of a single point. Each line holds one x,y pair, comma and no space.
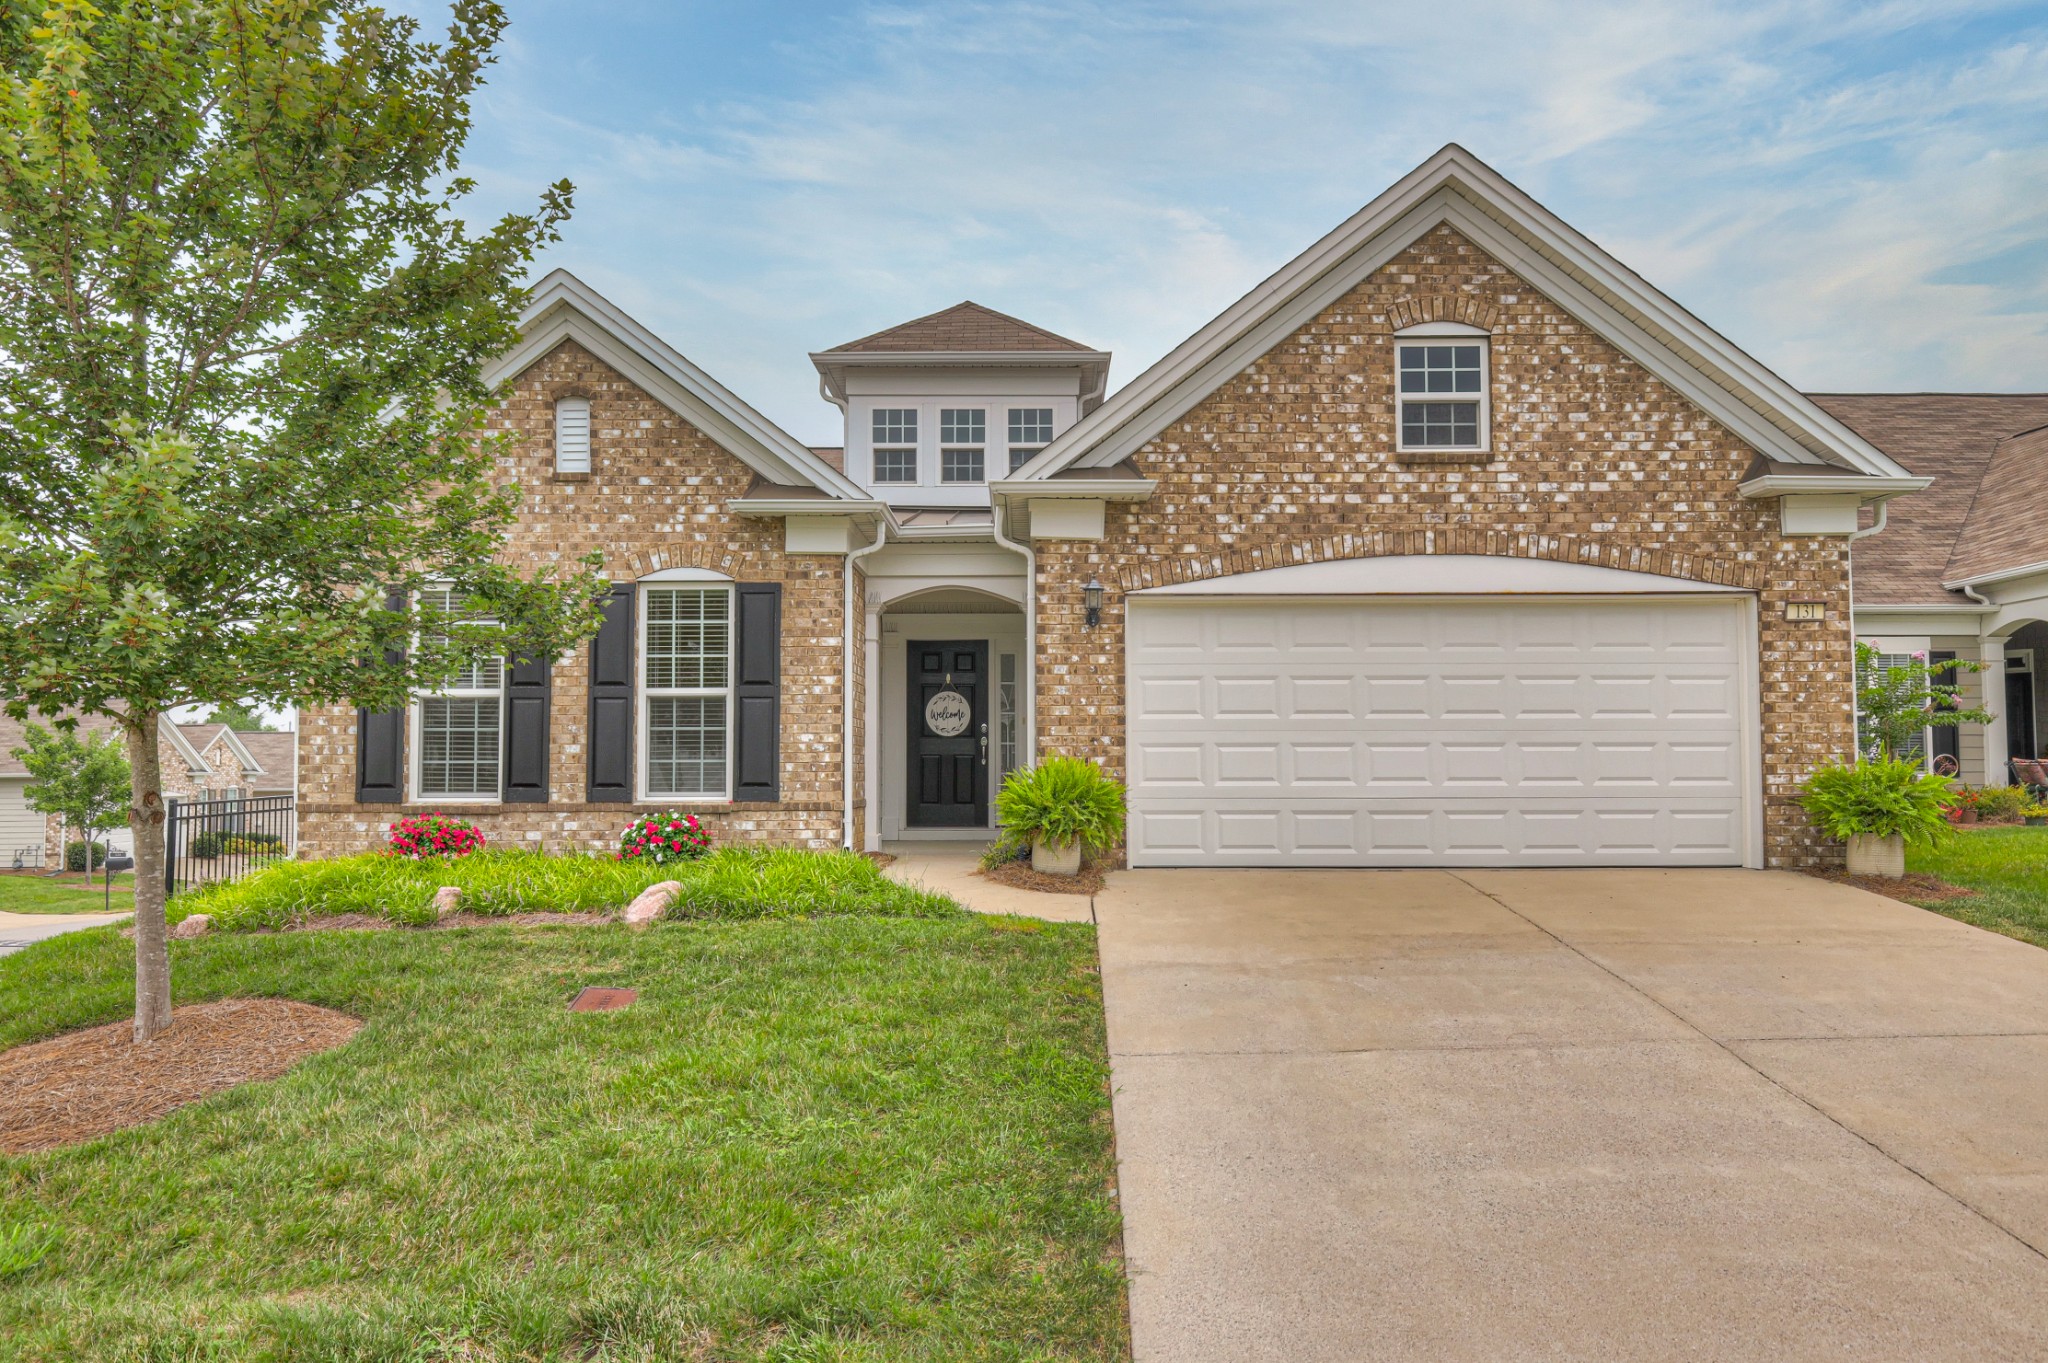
209,840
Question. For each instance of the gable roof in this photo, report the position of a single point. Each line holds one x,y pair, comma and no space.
278,752
966,327
1952,438
2007,529
205,734
1455,187
562,307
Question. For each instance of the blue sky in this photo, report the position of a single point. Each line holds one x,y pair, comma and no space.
1856,193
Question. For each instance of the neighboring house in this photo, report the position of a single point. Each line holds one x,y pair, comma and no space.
1452,543
199,762
1961,570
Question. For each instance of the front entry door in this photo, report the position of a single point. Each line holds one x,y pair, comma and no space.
948,735
2019,716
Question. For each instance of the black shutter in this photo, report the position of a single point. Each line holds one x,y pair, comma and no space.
1947,738
757,692
380,739
526,731
611,701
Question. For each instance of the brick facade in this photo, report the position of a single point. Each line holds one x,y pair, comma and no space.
1593,460
655,498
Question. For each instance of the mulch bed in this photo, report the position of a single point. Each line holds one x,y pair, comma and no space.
85,1084
1908,888
1018,875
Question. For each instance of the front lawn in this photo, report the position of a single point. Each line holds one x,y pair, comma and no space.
838,1138
2008,867
33,892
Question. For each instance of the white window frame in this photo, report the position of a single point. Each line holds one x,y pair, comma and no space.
1896,647
1014,447
416,758
569,459
914,446
1445,333
977,447
642,694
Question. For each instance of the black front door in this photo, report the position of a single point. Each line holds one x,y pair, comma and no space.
2019,715
948,735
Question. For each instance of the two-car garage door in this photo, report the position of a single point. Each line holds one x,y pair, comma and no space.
1473,731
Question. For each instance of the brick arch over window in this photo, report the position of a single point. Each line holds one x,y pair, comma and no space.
633,564
1597,551
1416,309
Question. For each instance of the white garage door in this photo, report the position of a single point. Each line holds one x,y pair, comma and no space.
1481,731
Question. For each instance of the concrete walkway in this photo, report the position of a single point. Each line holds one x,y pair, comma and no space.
17,930
1573,1115
950,868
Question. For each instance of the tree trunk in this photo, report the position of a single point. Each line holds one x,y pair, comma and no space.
146,825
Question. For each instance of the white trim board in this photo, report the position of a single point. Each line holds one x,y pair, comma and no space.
1441,575
1455,187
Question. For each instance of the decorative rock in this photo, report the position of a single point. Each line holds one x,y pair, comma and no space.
652,902
198,925
447,900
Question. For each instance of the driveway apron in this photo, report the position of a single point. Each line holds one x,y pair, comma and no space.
1608,1115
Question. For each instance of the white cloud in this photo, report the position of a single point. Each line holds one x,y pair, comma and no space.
1799,174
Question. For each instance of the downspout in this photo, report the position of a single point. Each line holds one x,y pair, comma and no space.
1030,630
1855,713
853,556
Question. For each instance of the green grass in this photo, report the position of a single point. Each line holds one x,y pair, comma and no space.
827,1139
31,893
2008,867
732,882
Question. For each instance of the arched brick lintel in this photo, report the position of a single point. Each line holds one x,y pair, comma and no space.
1416,309
1589,549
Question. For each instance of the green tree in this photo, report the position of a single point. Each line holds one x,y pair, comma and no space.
82,778
239,716
1895,702
242,324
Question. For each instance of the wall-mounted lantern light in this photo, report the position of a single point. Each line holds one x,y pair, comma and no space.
1091,597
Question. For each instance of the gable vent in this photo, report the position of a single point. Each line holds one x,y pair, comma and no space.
572,435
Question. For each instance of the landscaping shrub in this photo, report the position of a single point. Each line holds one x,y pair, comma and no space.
1879,797
2002,804
74,856
730,883
434,835
663,838
215,842
1061,801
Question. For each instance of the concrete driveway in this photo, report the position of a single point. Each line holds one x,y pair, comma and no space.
1615,1115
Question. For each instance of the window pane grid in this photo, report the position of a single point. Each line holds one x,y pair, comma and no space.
1031,425
686,745
687,657
1019,458
895,426
688,639
895,466
963,426
1440,369
459,746
1454,424
960,466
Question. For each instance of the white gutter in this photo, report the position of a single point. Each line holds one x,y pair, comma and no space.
1030,628
1966,584
853,556
1821,484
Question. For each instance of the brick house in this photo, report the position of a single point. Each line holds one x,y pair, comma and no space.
1961,570
199,762
1452,543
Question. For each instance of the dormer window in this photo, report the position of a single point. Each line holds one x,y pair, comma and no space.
895,444
963,438
572,435
1441,388
1030,432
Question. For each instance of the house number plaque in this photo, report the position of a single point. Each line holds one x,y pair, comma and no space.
946,714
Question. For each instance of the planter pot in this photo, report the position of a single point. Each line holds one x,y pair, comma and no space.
1049,860
1872,855
1967,816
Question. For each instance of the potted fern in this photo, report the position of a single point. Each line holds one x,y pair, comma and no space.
1878,806
1061,808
